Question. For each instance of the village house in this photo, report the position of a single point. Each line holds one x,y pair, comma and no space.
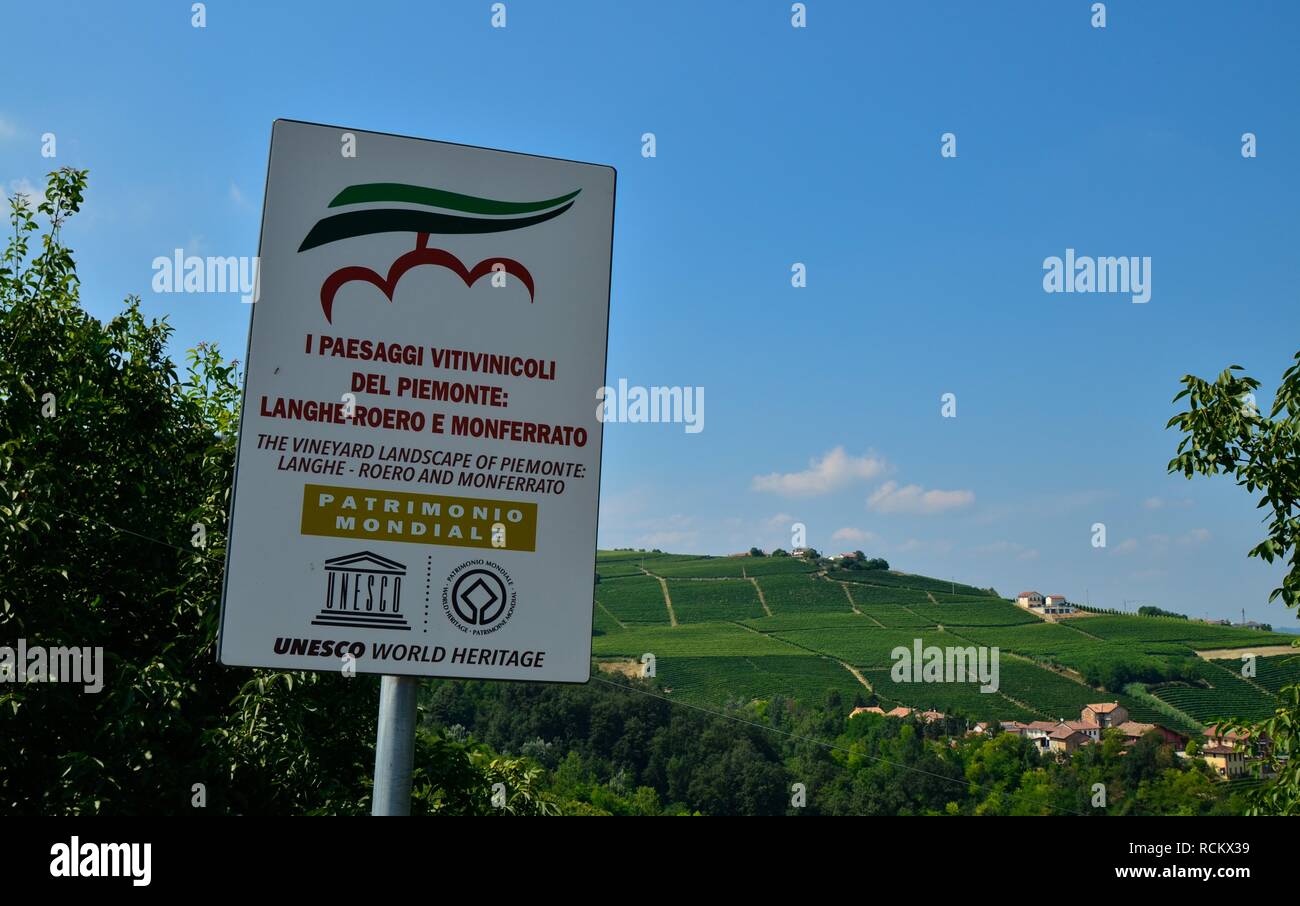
1039,732
1056,604
1229,753
1106,714
1133,731
1067,740
1225,760
1029,599
1066,736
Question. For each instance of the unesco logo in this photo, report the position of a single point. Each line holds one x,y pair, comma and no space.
479,597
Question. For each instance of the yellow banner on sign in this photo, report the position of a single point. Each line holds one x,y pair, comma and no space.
418,518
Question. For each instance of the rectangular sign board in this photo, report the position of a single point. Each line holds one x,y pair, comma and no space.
418,469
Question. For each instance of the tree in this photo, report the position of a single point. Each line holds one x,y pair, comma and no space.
1224,432
756,552
114,476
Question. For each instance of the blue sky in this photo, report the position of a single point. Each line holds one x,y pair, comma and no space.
778,145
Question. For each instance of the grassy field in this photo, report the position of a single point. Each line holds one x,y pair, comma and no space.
812,636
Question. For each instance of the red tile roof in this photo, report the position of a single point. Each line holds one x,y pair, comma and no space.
1081,725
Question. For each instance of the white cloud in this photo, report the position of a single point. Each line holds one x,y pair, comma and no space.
1163,503
238,197
1160,543
834,470
7,129
779,522
913,499
35,196
855,535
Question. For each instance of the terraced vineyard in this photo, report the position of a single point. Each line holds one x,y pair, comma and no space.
701,600
1224,694
710,681
802,594
1272,672
638,599
823,631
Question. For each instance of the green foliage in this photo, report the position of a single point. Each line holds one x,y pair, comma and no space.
615,748
1150,611
1223,432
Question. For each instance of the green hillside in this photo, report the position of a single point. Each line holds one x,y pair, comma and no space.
727,629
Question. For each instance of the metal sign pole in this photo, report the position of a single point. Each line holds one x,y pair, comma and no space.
395,745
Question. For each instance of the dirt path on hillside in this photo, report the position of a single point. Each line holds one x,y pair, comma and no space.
853,606
1232,654
930,595
668,601
856,675
621,624
761,599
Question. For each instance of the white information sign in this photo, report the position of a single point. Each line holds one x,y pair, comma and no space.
419,453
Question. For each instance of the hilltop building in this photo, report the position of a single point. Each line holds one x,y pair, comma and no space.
1045,605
